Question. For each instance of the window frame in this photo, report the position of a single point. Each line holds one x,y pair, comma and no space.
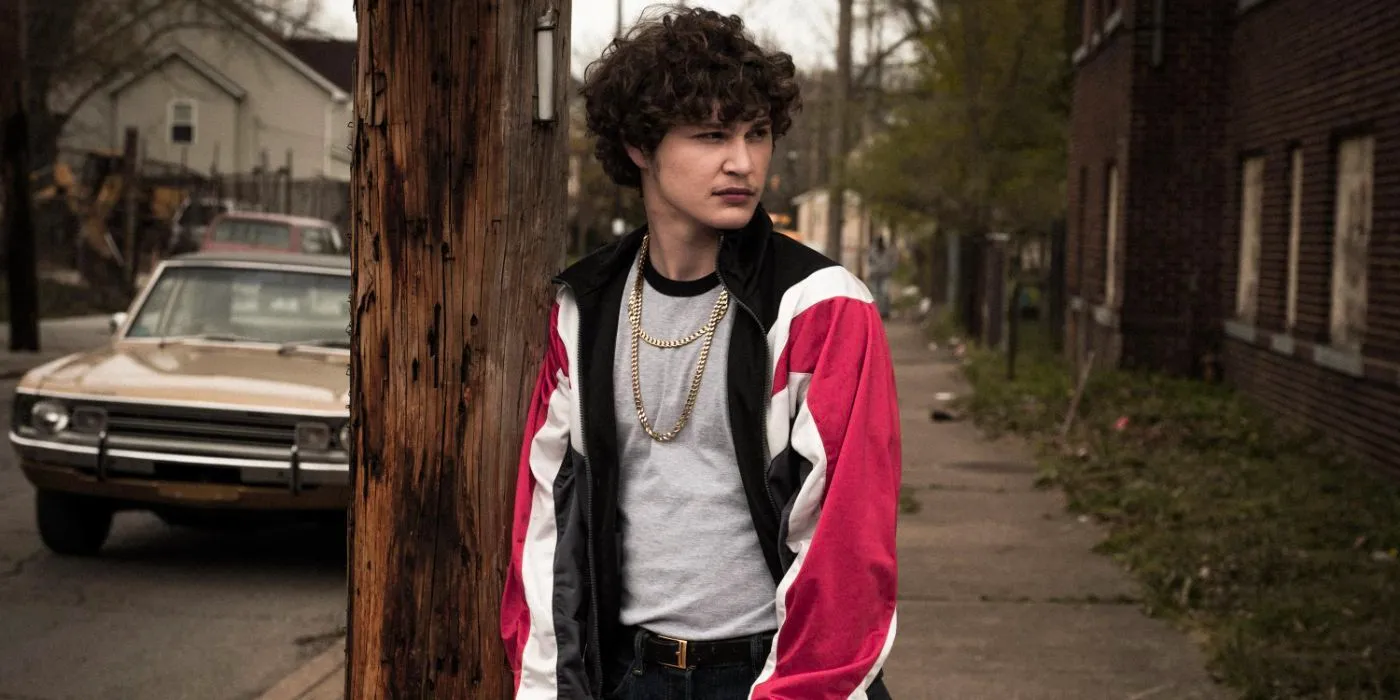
1296,170
1347,324
193,122
1253,166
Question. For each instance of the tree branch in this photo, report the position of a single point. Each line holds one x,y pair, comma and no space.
883,54
133,60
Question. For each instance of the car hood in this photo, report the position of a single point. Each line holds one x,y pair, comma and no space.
209,374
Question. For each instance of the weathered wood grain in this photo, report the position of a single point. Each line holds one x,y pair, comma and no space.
458,208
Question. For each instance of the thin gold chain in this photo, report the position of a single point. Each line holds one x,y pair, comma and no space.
634,315
634,311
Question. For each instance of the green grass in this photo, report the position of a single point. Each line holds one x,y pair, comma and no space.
1260,536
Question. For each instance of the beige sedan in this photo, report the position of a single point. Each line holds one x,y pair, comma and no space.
224,390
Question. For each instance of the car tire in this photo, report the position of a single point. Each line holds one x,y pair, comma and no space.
72,525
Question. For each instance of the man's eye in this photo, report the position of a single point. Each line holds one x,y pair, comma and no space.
758,134
711,135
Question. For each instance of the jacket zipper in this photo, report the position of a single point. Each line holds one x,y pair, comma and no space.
767,392
597,666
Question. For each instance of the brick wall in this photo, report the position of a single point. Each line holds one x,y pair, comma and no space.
1180,107
1151,99
1305,74
1099,132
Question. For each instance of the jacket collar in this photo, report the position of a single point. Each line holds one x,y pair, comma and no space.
742,254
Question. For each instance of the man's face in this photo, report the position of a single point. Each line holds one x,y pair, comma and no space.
710,174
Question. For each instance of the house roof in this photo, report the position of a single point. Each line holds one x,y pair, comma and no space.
264,34
332,58
260,33
187,57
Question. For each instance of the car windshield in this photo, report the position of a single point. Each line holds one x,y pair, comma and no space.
249,304
253,232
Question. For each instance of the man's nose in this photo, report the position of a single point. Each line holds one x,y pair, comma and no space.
740,161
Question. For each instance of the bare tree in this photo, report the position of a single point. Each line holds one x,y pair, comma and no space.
86,44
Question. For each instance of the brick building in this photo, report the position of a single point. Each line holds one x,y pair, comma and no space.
1238,164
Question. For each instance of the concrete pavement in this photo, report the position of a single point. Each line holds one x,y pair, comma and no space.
1001,597
164,613
57,337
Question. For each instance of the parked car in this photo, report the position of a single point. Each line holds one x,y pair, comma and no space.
251,231
192,221
223,390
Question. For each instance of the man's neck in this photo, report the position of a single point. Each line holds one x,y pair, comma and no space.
682,250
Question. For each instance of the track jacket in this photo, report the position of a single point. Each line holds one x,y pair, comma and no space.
815,422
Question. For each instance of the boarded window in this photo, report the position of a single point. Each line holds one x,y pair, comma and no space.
1111,225
1295,235
1251,209
1351,238
182,122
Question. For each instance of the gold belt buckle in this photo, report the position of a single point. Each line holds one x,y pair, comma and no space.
681,649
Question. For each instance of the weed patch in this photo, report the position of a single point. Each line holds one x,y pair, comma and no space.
1258,534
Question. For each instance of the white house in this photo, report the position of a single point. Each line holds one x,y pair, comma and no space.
223,96
856,226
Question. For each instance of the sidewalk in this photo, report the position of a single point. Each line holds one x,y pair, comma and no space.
1001,597
57,337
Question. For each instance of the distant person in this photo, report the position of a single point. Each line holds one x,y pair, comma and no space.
880,265
709,483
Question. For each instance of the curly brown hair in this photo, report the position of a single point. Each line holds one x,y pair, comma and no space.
675,70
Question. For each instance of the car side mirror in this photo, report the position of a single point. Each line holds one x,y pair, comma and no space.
117,320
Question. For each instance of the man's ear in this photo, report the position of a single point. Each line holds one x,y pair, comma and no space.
639,159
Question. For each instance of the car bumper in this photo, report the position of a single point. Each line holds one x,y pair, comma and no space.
137,476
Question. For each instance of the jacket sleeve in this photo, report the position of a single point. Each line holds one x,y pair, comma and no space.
836,602
528,620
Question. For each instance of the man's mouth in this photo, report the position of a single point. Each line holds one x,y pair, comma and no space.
734,193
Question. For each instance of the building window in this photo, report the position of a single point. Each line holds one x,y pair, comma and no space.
1251,209
1295,235
182,122
1351,237
1111,218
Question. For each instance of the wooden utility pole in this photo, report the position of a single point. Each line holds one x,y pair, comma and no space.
131,174
22,274
840,112
458,222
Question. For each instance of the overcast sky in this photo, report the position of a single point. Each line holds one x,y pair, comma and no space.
804,28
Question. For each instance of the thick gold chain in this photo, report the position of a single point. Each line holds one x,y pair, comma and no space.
634,317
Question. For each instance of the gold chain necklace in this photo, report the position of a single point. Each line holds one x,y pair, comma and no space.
634,317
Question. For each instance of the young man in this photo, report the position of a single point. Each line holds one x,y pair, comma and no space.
709,482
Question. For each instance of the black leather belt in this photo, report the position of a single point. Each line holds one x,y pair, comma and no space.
679,653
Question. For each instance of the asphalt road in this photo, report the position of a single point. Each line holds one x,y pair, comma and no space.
163,613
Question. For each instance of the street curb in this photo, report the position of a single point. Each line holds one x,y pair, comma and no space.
297,683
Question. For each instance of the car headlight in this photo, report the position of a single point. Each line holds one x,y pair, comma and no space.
49,417
314,437
345,436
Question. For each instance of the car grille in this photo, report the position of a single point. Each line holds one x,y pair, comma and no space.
226,427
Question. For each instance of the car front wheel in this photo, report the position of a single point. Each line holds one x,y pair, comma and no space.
72,525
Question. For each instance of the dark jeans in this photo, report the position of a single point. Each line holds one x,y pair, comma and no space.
631,678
